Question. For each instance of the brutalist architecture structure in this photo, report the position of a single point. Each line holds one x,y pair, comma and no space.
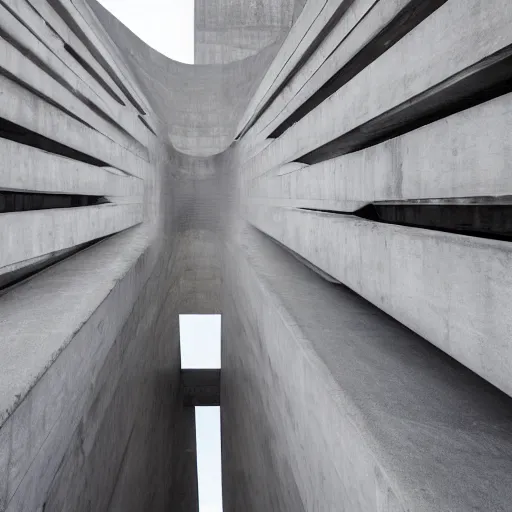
333,177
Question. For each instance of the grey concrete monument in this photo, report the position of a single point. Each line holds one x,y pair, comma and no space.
334,178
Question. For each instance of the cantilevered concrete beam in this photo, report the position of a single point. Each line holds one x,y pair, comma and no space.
200,387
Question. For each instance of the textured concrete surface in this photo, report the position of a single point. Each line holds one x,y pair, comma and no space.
14,63
33,113
365,32
328,403
444,159
407,270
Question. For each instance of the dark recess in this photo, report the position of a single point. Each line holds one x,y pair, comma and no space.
484,81
492,221
145,123
17,133
200,387
93,73
28,201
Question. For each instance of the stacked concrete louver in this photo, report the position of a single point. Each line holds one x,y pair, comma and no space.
333,177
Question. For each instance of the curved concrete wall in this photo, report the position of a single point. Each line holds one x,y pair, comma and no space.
202,104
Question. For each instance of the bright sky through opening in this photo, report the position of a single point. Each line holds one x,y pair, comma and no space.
165,25
200,346
209,470
200,341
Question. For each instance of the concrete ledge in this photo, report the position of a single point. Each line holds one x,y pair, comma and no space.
462,155
48,83
24,168
77,15
30,234
311,22
453,290
49,15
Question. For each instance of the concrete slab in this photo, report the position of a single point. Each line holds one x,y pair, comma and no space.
28,73
450,158
50,16
305,32
24,168
30,234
